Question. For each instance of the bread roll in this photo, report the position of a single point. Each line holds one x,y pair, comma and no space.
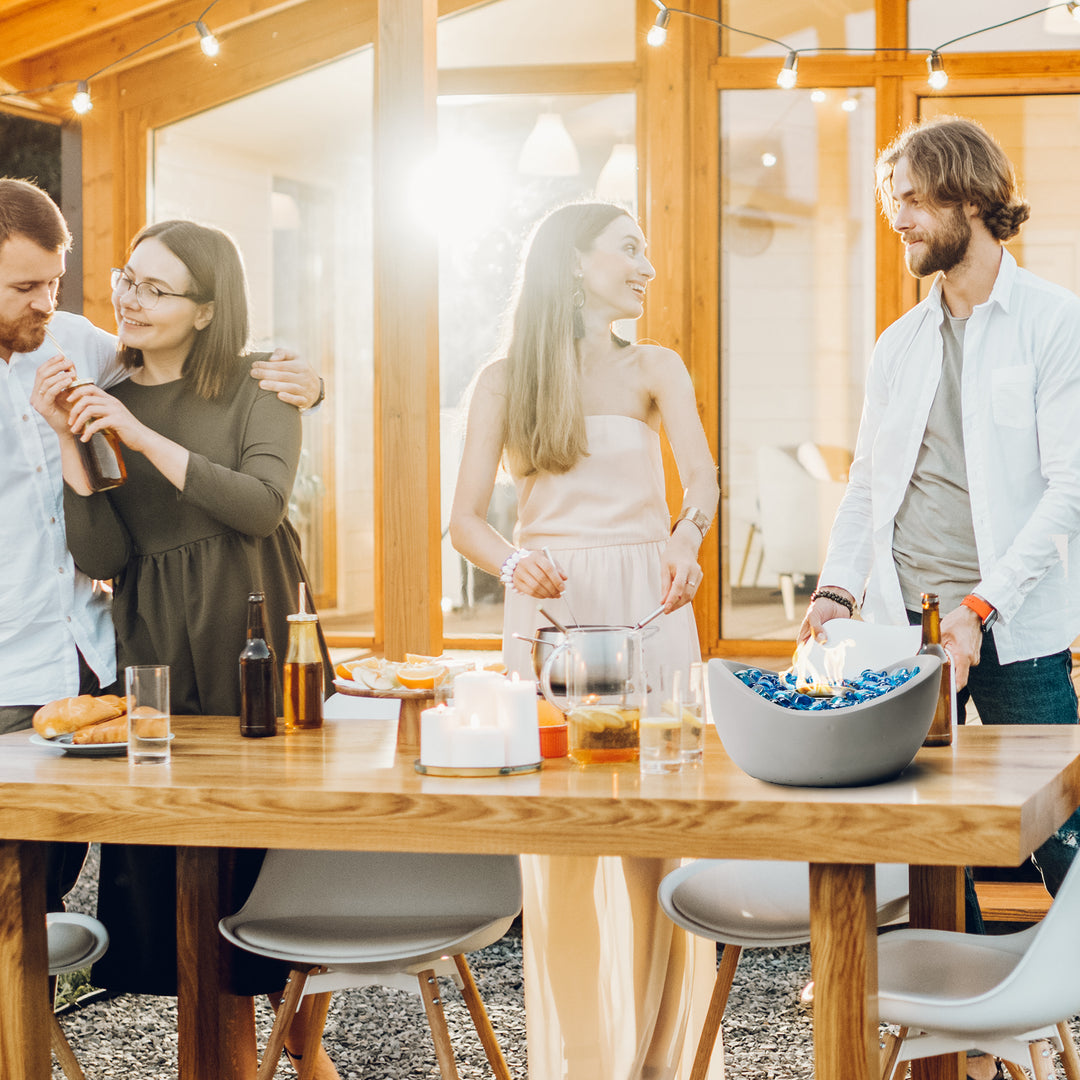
104,731
70,714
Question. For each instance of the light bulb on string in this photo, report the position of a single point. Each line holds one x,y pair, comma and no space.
207,42
1073,7
789,73
80,101
768,159
658,31
849,104
818,96
938,77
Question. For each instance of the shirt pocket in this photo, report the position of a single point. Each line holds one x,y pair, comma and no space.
1012,395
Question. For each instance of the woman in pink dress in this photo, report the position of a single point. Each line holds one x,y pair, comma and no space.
575,413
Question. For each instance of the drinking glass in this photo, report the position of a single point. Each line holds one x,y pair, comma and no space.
693,715
661,723
148,714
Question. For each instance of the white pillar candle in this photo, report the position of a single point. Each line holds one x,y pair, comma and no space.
477,745
436,734
474,695
518,718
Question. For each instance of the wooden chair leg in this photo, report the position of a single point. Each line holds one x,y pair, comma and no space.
725,975
294,990
62,1049
1069,1057
440,1034
1014,1070
891,1051
313,1010
480,1019
1042,1060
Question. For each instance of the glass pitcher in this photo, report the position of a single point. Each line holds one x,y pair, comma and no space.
603,672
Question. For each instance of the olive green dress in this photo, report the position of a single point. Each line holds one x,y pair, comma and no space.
183,564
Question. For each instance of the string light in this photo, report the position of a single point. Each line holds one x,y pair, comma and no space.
787,77
938,77
658,31
207,42
81,102
789,73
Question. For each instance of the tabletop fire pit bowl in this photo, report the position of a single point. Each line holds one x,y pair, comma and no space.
866,743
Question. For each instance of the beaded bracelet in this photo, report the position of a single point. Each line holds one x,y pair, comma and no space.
506,573
837,598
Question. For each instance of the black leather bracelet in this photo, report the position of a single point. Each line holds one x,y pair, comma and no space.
837,598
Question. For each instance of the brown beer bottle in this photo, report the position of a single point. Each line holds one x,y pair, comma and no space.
303,673
258,716
940,733
100,454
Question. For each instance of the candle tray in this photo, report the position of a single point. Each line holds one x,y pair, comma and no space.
464,770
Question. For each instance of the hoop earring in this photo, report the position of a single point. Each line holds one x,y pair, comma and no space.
577,298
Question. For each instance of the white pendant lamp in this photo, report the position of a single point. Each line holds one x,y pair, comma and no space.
617,181
549,150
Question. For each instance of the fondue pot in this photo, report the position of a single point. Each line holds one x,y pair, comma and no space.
603,652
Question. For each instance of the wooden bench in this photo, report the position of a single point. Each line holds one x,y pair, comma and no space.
1012,901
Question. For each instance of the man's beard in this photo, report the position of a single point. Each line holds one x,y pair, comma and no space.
23,335
942,249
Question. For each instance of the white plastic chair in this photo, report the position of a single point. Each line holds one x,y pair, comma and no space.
346,919
742,903
951,992
74,942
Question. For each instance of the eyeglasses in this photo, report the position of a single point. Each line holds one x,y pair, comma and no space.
145,293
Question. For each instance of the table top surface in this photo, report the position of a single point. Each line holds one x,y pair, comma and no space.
988,800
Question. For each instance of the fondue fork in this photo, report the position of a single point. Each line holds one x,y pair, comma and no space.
569,609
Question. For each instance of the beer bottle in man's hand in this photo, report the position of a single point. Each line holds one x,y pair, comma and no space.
940,733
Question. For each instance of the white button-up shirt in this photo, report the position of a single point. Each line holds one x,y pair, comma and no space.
47,607
1020,392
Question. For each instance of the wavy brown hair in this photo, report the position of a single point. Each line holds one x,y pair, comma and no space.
217,274
952,161
545,422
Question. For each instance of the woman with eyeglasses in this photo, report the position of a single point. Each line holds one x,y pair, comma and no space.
199,524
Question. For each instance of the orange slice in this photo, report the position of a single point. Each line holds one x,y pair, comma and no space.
420,676
418,658
498,666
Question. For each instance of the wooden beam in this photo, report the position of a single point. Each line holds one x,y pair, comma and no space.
104,41
406,334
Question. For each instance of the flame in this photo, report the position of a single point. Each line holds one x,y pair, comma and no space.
808,680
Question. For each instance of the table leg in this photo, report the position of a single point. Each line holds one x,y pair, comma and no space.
937,903
24,964
843,952
216,1028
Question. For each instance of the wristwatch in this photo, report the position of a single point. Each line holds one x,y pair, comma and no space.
987,612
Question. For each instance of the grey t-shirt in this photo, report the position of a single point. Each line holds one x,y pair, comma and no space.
933,538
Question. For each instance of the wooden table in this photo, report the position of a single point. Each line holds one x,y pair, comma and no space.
988,800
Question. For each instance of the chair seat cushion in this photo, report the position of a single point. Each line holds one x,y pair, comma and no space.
74,941
359,941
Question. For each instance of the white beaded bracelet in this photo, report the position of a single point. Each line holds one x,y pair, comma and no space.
506,573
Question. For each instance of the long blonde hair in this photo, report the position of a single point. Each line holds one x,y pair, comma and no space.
545,421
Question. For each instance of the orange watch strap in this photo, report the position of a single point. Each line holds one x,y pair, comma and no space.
978,605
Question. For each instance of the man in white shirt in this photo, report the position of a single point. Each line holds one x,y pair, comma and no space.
56,636
966,477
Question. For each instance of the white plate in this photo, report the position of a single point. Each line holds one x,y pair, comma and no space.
64,743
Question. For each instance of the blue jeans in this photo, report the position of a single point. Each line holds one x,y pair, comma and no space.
1036,691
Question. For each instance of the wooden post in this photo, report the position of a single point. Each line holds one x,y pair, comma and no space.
24,965
406,331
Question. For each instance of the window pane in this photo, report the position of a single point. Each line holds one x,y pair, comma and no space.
797,328
489,206
516,32
848,23
299,206
931,23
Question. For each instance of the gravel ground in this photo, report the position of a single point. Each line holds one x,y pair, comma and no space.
380,1034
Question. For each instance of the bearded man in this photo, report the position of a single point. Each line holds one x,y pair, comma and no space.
966,477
